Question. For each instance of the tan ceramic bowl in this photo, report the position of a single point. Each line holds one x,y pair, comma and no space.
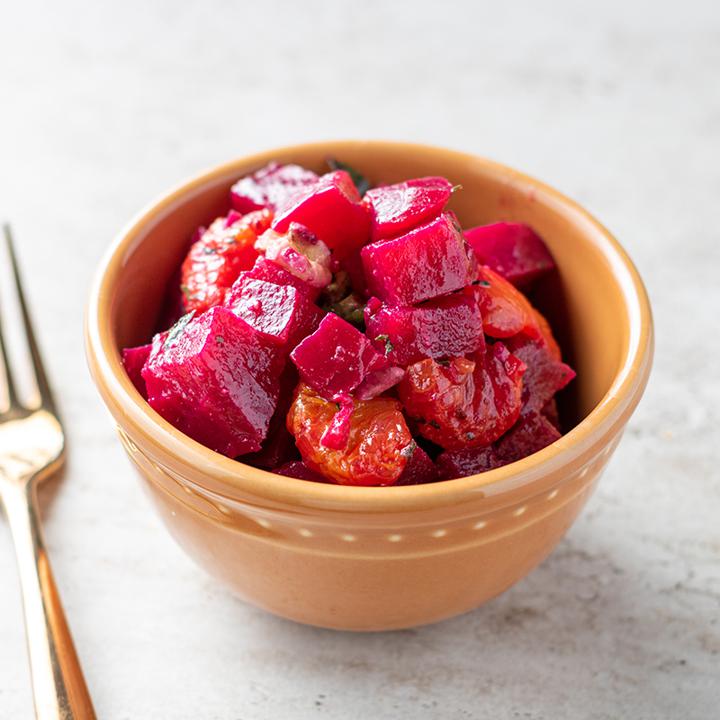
380,558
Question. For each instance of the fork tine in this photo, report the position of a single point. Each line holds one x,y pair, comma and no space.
46,398
9,381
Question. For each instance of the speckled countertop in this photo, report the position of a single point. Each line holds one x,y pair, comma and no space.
104,105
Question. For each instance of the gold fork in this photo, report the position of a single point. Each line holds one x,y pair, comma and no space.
32,446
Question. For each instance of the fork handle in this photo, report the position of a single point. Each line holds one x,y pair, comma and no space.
59,688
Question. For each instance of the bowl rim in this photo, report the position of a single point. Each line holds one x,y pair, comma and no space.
232,477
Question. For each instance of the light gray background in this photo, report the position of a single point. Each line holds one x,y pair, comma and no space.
104,105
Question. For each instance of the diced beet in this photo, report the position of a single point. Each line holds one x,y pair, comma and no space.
446,327
402,207
215,379
513,250
270,271
282,313
336,358
545,374
300,252
531,434
298,469
331,209
468,461
427,262
270,187
419,469
337,433
379,381
278,447
133,359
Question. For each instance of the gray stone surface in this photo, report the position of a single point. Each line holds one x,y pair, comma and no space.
104,105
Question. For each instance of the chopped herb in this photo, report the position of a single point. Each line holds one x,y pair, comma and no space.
351,309
185,290
408,450
434,424
338,289
482,283
361,182
455,188
178,328
470,435
444,363
389,347
219,339
209,250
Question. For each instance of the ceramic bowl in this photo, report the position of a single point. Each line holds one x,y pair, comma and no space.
380,558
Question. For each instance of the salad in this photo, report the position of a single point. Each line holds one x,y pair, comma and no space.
336,332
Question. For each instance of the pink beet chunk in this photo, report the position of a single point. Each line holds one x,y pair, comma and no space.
270,271
531,434
402,207
282,313
544,375
378,382
336,358
133,359
423,264
337,434
467,461
513,250
214,378
278,447
331,209
300,470
450,326
419,469
269,187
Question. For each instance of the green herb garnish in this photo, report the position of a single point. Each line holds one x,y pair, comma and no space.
178,328
351,309
361,182
389,347
408,450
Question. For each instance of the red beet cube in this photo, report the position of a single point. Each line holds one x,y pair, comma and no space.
545,374
447,327
427,262
282,313
378,381
270,271
402,207
298,469
419,469
336,358
331,209
513,250
269,187
133,359
278,447
215,378
531,434
468,461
